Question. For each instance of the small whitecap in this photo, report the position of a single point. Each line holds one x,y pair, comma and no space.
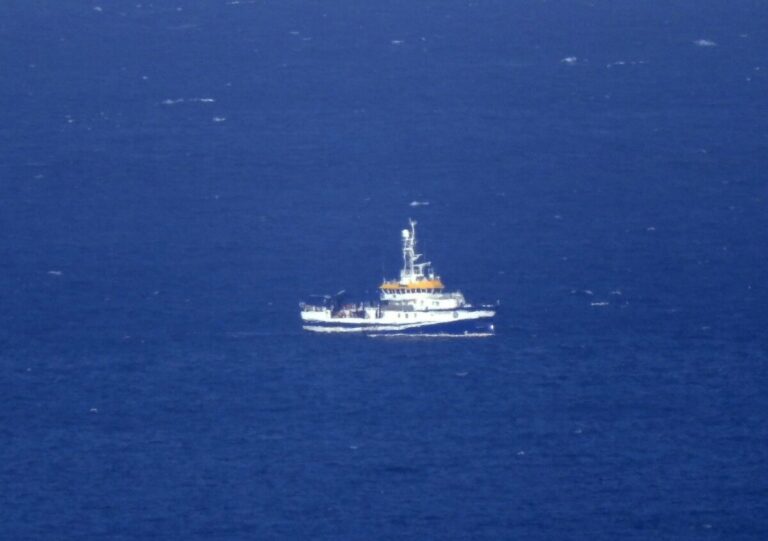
570,60
98,9
55,272
462,374
705,43
171,101
650,228
598,303
396,42
219,118
94,410
419,203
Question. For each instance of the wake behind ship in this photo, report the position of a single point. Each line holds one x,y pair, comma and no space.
416,303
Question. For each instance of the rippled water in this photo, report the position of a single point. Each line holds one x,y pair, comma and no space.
177,177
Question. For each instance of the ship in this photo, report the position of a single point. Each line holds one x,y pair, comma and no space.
416,303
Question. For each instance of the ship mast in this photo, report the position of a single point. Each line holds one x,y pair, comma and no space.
416,276
411,271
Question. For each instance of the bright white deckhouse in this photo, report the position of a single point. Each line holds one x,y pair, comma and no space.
416,303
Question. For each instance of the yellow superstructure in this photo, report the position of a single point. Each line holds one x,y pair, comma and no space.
412,286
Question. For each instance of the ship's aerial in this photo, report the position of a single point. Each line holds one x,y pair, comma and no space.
416,303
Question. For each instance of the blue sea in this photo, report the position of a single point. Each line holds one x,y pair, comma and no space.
176,176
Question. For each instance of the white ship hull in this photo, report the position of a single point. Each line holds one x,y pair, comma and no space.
461,321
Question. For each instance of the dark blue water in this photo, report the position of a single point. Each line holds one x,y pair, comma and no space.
176,176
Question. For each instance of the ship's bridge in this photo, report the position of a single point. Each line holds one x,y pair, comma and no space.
415,276
418,287
421,295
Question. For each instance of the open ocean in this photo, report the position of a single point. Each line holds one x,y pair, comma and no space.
176,176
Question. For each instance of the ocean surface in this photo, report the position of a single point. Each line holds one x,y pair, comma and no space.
176,176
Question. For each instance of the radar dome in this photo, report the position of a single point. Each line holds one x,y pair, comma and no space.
406,234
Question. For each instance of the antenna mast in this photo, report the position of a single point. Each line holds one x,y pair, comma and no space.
410,268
